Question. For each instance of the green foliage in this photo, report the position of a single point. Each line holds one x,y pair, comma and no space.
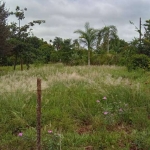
55,56
66,51
139,62
44,53
19,35
19,46
52,140
106,34
79,57
141,139
57,43
104,59
143,43
5,47
88,38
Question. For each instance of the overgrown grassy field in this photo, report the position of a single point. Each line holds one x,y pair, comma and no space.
83,108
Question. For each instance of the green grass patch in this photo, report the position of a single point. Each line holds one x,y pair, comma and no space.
96,107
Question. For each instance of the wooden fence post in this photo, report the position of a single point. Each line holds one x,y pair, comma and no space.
38,142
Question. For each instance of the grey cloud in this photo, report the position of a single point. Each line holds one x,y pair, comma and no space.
63,17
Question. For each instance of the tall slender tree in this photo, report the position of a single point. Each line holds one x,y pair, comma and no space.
145,44
88,38
20,33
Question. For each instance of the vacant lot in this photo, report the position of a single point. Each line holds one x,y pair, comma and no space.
83,108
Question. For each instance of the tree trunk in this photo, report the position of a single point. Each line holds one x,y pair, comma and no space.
108,46
21,64
108,40
89,62
15,63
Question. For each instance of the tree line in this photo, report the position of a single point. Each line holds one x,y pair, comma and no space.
18,45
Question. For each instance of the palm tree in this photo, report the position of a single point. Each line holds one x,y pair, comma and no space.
108,33
99,38
88,37
57,43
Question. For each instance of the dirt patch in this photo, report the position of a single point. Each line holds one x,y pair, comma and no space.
89,148
85,129
120,127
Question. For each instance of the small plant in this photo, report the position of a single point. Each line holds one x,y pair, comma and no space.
141,140
52,140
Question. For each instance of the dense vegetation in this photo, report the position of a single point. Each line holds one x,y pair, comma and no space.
18,45
97,107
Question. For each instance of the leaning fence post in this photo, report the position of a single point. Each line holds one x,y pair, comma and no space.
38,142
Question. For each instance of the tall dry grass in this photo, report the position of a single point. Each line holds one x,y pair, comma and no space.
92,76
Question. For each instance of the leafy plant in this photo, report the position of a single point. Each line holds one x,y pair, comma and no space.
139,62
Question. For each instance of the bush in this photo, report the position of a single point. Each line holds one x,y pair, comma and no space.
104,59
139,62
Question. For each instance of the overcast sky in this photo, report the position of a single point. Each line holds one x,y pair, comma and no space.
63,17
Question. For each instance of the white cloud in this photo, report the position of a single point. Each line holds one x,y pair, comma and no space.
63,17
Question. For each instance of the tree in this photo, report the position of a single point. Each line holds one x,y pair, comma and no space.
57,43
33,53
107,33
88,38
76,44
66,51
99,39
145,45
19,35
143,42
117,45
44,53
4,33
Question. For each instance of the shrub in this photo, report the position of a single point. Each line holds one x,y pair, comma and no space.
104,59
139,61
